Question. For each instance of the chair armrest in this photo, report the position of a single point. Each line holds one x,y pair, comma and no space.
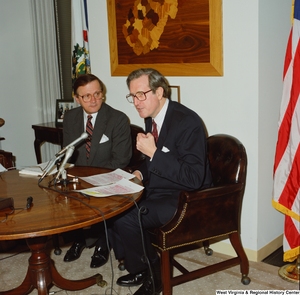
212,192
200,213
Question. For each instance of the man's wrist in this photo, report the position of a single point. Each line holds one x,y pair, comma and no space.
138,174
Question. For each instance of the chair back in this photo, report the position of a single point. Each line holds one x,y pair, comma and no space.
227,159
218,208
7,159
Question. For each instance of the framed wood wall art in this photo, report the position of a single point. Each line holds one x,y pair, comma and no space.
176,37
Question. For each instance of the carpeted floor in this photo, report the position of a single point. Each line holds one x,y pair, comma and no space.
13,266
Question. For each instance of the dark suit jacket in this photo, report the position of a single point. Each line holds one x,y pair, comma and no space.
111,140
180,161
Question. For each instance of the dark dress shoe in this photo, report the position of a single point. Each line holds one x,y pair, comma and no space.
74,252
132,279
148,289
99,257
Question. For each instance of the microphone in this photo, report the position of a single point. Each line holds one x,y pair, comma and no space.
83,136
49,166
29,202
68,155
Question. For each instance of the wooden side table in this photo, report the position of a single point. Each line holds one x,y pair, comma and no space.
46,132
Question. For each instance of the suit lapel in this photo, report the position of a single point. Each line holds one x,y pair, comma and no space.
78,122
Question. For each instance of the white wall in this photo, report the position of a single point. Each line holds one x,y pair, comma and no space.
244,102
18,104
273,36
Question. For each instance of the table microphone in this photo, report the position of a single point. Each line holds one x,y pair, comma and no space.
29,202
83,136
68,155
50,166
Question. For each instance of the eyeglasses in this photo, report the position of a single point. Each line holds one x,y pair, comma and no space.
140,95
88,97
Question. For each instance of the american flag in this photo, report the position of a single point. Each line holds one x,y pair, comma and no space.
286,194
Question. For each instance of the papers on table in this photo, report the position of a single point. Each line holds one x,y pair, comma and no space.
39,169
112,183
2,169
107,178
122,187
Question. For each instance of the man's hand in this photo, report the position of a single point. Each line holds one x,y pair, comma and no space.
138,175
145,143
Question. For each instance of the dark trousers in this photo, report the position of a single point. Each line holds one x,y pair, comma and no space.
129,231
92,236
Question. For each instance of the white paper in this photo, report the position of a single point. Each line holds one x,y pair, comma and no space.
39,169
2,169
107,178
121,187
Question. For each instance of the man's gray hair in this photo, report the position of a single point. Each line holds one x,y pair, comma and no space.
155,78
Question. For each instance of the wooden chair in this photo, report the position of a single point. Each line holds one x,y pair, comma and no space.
7,160
207,214
2,122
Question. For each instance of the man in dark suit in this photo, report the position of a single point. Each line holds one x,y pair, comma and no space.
108,146
176,161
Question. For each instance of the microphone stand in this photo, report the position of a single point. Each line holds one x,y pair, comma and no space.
61,176
50,165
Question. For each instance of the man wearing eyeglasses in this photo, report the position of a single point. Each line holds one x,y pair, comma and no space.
175,149
108,145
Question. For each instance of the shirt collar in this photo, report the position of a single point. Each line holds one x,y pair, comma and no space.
85,115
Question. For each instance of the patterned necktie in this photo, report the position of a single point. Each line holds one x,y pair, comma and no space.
89,130
154,130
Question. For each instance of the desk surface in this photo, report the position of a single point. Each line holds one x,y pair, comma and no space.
48,125
53,212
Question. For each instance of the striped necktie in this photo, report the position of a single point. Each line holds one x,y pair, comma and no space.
154,130
89,130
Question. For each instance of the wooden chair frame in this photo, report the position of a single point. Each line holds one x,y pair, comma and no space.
207,214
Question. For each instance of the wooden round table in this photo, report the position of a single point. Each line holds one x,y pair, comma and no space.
53,212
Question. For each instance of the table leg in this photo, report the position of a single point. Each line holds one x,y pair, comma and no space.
37,148
42,274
